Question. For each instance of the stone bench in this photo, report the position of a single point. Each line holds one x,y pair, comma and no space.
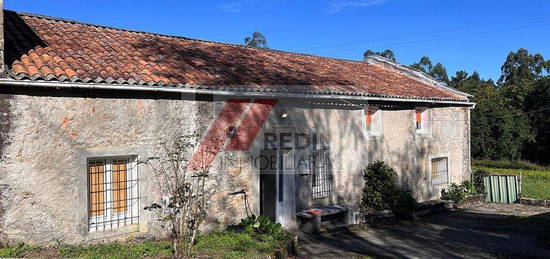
316,215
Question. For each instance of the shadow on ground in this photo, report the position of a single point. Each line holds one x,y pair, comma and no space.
463,233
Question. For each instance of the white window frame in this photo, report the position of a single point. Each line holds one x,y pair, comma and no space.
442,186
425,119
376,125
113,219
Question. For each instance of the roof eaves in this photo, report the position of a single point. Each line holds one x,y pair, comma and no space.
414,74
244,90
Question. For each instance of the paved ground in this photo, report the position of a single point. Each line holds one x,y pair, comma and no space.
484,231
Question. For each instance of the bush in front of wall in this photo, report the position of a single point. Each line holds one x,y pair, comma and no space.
469,187
454,193
458,192
379,187
403,204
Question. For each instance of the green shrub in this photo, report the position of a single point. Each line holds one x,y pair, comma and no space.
403,204
458,192
469,187
477,180
381,193
455,193
262,225
379,187
508,164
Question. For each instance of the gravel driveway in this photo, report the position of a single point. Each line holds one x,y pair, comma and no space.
483,231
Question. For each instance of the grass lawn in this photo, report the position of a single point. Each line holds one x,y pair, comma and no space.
536,184
223,244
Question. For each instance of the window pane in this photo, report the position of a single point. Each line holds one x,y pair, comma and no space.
97,188
119,186
418,119
369,120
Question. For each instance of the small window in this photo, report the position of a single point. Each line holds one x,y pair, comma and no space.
421,120
440,171
112,193
373,118
321,176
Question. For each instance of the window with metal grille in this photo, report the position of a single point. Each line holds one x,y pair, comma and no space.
112,193
321,177
440,171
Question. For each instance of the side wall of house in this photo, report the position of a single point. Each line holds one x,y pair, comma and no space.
5,127
351,149
45,166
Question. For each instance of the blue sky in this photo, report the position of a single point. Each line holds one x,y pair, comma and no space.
461,34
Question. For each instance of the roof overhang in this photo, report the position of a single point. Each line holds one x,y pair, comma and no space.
228,93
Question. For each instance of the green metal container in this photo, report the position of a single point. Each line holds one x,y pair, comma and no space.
502,188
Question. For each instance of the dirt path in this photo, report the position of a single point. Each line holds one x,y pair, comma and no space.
482,232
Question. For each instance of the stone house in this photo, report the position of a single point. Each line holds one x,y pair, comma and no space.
80,104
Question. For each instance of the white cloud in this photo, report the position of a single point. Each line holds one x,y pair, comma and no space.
339,5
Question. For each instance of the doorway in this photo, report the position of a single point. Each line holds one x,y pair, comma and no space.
277,186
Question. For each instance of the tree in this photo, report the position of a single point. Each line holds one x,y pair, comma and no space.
438,71
257,40
499,130
424,65
457,81
386,54
184,192
520,66
538,108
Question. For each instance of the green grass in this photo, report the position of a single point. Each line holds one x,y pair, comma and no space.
18,250
229,244
223,244
509,164
536,184
118,250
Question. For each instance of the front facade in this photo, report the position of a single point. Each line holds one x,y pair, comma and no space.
78,119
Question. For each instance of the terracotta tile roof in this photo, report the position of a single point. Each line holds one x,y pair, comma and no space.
46,48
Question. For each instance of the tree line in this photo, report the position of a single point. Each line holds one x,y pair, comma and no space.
511,119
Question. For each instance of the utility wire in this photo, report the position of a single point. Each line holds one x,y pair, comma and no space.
522,113
424,34
443,37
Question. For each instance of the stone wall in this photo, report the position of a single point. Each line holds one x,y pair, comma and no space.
5,126
45,166
409,153
5,121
